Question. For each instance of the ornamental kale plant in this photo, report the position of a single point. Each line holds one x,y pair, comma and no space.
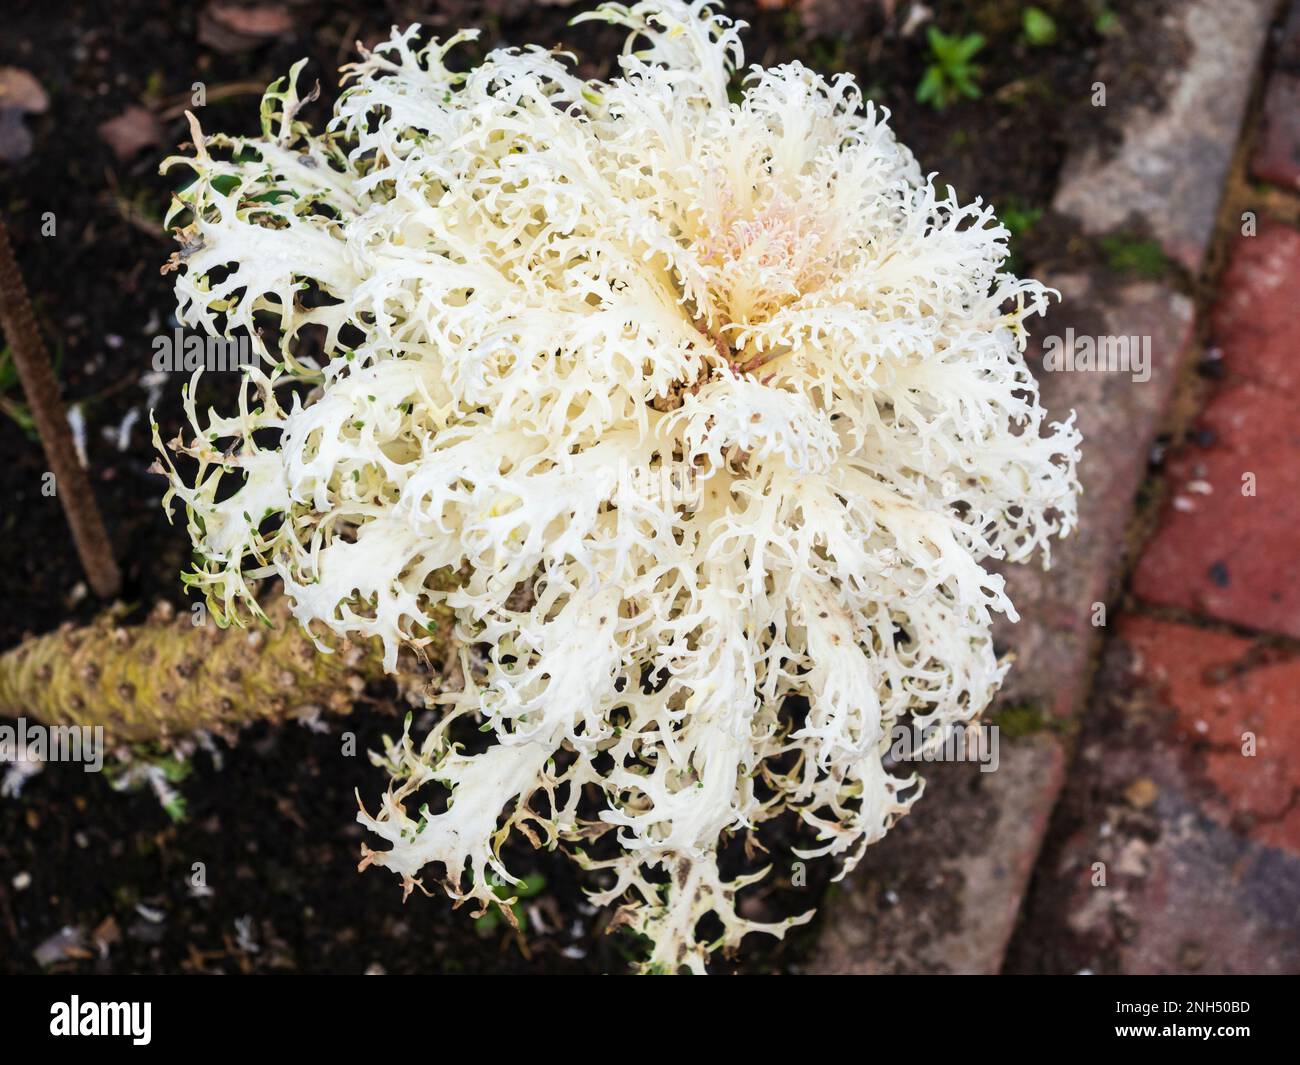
531,290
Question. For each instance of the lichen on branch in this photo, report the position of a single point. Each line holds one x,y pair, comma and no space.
168,678
531,291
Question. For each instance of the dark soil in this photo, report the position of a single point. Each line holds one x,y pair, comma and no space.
274,825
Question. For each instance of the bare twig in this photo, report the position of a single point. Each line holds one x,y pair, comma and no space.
42,391
179,104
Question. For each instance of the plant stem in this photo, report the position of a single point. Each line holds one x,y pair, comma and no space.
168,677
42,391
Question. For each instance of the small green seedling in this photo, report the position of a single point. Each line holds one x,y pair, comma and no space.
1039,27
1019,218
531,886
1107,23
14,408
1133,255
951,74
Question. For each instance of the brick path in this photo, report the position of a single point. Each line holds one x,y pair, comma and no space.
1177,846
1226,546
1169,849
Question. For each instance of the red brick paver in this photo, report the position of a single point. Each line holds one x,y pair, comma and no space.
1177,845
1175,851
1228,546
1235,705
